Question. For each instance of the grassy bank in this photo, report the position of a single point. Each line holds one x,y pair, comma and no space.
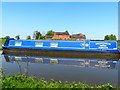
118,44
21,81
1,42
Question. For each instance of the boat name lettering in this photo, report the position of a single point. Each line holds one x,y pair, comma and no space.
103,43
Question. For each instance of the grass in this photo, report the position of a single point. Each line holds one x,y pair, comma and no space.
1,42
21,81
118,44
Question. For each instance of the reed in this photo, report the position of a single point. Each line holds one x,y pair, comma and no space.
21,81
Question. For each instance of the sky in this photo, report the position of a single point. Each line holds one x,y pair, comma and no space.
94,19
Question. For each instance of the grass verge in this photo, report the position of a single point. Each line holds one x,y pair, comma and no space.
1,42
118,44
21,81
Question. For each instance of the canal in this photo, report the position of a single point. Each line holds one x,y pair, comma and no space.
86,70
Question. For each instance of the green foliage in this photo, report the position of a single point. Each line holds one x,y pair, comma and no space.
66,31
6,37
1,42
37,35
118,44
28,37
2,70
21,81
56,39
110,37
50,33
42,37
107,37
17,37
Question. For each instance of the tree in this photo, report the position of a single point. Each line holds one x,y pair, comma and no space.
42,37
17,37
6,37
37,35
66,31
115,37
107,37
110,37
50,33
28,37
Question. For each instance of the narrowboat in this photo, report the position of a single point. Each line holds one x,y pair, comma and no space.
63,48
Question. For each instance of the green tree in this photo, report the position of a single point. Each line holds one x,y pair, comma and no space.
6,37
115,37
107,37
66,31
28,37
42,37
17,37
110,37
37,35
50,33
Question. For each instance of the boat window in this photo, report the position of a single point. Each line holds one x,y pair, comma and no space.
18,58
39,60
53,44
18,43
53,61
38,44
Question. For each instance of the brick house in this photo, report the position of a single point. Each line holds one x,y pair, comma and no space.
61,35
66,36
78,37
48,37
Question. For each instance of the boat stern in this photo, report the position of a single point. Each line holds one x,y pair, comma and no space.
7,42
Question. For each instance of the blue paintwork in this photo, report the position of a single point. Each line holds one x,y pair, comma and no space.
109,46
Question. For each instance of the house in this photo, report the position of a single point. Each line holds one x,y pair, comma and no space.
48,37
78,37
66,36
61,35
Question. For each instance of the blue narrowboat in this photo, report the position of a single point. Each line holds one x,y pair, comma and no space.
63,48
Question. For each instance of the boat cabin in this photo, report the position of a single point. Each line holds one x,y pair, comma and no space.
62,44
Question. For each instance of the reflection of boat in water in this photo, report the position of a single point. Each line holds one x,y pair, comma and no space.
72,62
57,48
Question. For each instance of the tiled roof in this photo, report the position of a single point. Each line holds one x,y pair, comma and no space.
77,36
48,36
61,33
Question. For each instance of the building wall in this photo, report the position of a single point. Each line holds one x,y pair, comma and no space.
78,38
63,37
66,37
48,38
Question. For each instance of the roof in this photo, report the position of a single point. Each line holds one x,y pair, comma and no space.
61,33
48,36
78,36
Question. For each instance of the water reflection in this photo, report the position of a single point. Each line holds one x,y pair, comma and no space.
74,62
91,71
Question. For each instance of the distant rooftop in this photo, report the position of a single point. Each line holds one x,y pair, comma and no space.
61,33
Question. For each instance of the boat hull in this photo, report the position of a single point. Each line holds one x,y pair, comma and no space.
61,53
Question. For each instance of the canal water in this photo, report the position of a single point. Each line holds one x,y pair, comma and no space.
89,71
